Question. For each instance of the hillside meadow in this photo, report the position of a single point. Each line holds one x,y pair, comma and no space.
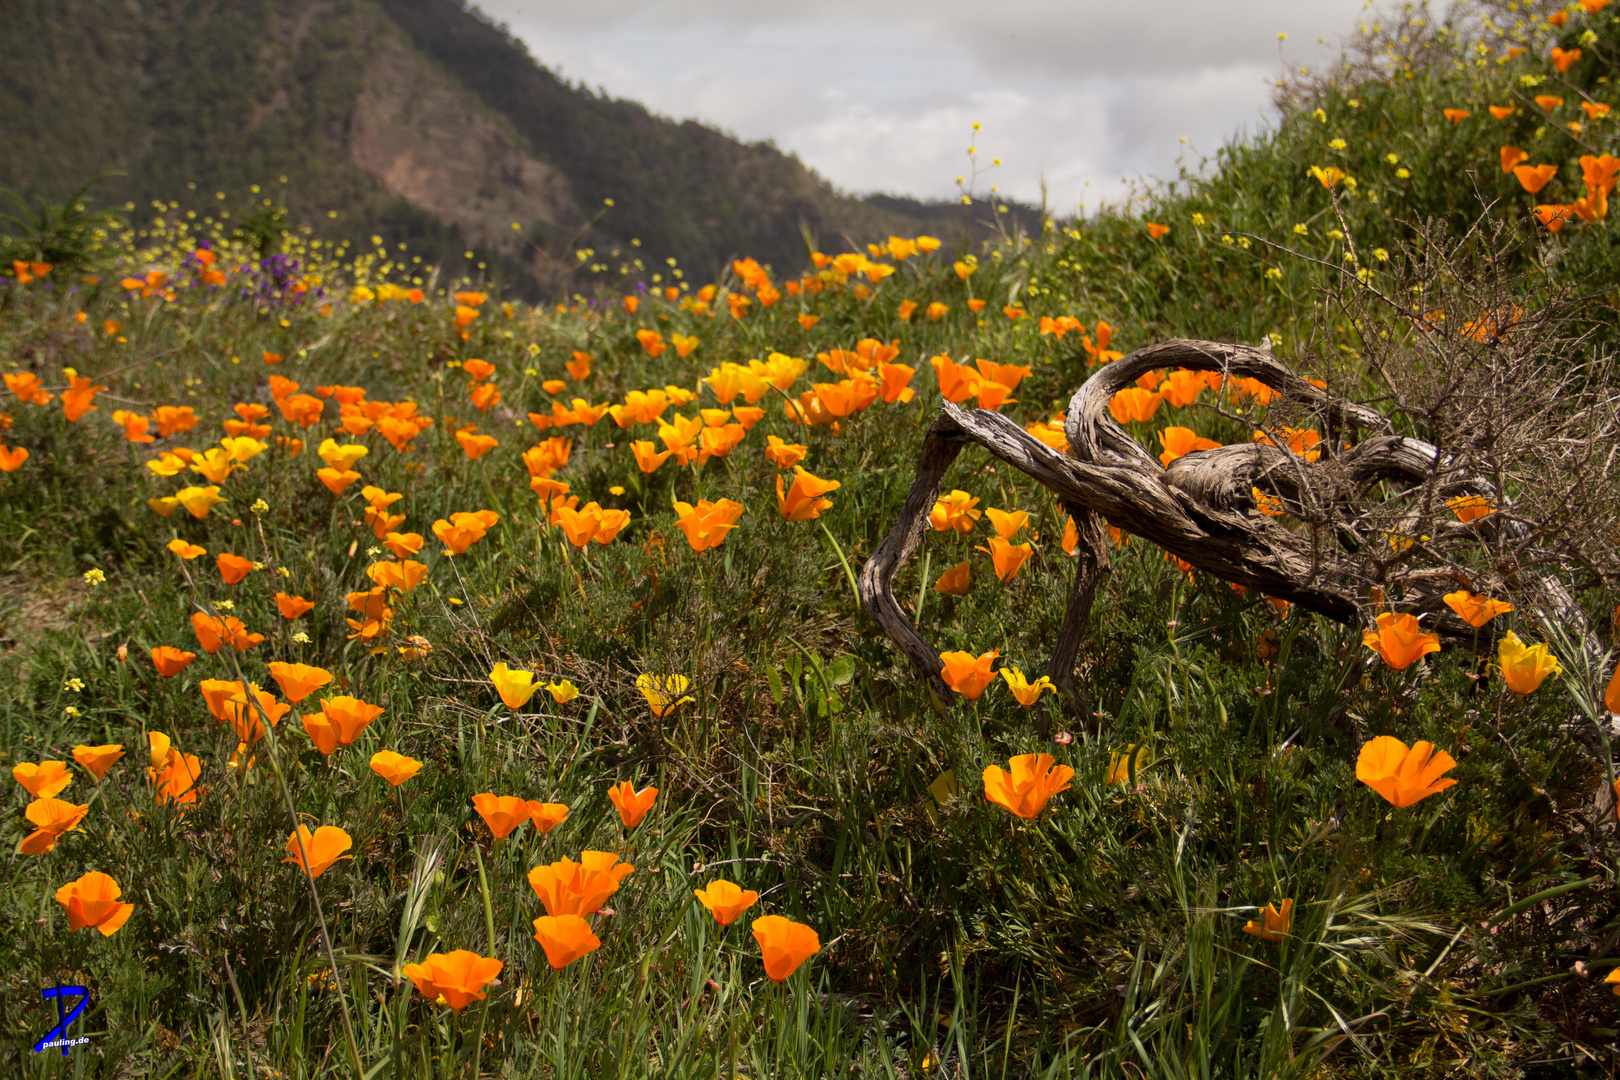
401,680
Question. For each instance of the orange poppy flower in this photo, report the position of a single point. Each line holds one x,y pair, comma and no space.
784,945
174,780
80,397
298,681
1564,59
91,902
633,805
803,501
1534,177
402,545
1024,692
957,382
784,455
218,693
1558,19
229,703
581,525
302,409
186,551
1594,109
1524,667
26,385
341,457
336,482
98,759
1599,172
291,607
547,815
1126,764
648,457
1007,558
453,979
50,818
1554,216
725,900
569,888
1134,405
1502,112
954,511
1155,230
12,458
1513,156
1456,116
404,576
170,661
394,768
1028,786
706,524
1274,922
967,674
1179,442
233,568
324,847
214,633
565,938
1305,442
1611,701
955,581
1549,102
1592,207
1473,609
242,448
464,529
134,426
1182,387
1403,776
515,687
340,722
475,446
213,464
1071,538
502,813
1469,508
1007,524
1400,640
44,780
1328,177
895,382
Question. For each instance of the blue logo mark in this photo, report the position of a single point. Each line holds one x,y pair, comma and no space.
57,1036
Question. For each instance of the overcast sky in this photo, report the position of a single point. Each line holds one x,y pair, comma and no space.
879,95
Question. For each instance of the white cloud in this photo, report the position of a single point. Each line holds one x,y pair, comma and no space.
878,95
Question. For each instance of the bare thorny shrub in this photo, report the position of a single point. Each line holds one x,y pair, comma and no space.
1408,40
1471,348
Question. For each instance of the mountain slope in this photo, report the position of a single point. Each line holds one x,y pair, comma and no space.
416,119
679,187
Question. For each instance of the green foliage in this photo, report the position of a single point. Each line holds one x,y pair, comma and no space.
70,235
1105,938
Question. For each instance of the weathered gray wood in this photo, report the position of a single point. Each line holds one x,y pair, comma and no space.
1202,508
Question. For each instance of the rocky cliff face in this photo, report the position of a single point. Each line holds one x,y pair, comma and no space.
421,137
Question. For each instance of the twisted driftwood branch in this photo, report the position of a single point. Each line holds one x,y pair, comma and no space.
1201,508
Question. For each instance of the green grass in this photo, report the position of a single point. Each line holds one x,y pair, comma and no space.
1103,939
